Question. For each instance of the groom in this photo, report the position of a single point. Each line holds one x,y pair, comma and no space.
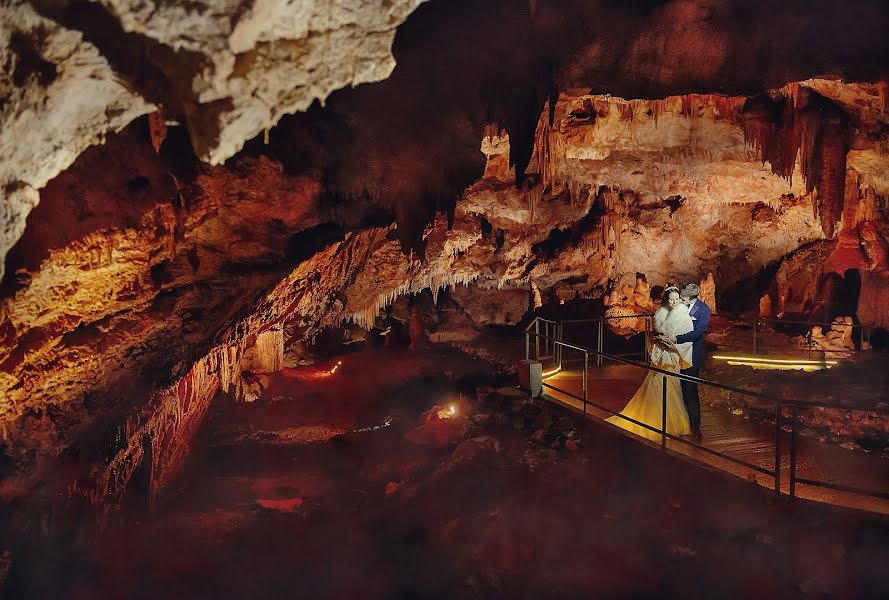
700,315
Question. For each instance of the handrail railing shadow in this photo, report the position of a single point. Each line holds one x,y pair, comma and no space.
781,406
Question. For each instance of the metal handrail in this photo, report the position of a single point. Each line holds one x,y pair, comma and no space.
793,322
531,324
722,386
779,403
606,317
864,329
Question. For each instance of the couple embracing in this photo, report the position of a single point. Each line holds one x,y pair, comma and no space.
678,346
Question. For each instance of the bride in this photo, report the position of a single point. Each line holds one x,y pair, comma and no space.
671,318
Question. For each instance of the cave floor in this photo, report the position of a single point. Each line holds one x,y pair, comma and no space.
753,442
343,486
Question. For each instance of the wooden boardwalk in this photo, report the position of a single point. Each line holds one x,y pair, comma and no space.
612,386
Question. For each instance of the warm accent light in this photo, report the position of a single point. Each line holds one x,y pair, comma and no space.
778,364
447,413
551,373
335,367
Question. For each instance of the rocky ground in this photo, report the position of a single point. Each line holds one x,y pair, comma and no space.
858,381
392,474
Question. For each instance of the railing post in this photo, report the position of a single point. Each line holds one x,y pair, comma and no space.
664,417
549,342
778,448
527,345
559,346
546,338
537,338
599,343
755,322
645,341
793,432
550,349
586,363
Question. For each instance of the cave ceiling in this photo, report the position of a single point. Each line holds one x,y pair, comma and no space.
227,72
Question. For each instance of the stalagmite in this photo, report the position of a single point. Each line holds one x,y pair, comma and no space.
707,286
535,295
269,351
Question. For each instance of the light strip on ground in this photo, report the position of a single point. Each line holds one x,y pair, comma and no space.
550,373
800,362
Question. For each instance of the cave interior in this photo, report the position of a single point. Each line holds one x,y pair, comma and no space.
267,268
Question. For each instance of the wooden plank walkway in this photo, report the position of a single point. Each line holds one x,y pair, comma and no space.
613,385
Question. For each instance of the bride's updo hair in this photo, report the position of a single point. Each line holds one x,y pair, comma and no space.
666,296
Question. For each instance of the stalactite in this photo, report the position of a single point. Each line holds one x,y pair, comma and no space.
832,172
602,106
534,195
657,107
793,89
761,117
544,152
577,192
366,316
808,125
157,130
867,207
690,105
883,93
809,130
728,106
627,111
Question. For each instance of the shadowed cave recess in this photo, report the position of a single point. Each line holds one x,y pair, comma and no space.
267,267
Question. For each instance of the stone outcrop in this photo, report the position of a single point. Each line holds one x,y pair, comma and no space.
107,306
492,307
627,307
77,71
249,65
837,342
58,96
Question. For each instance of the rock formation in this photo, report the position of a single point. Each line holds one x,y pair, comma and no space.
836,342
58,96
78,70
667,188
146,281
628,308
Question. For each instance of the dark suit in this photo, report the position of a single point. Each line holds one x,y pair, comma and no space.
700,314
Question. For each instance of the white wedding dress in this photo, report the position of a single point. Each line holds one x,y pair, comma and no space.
646,405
